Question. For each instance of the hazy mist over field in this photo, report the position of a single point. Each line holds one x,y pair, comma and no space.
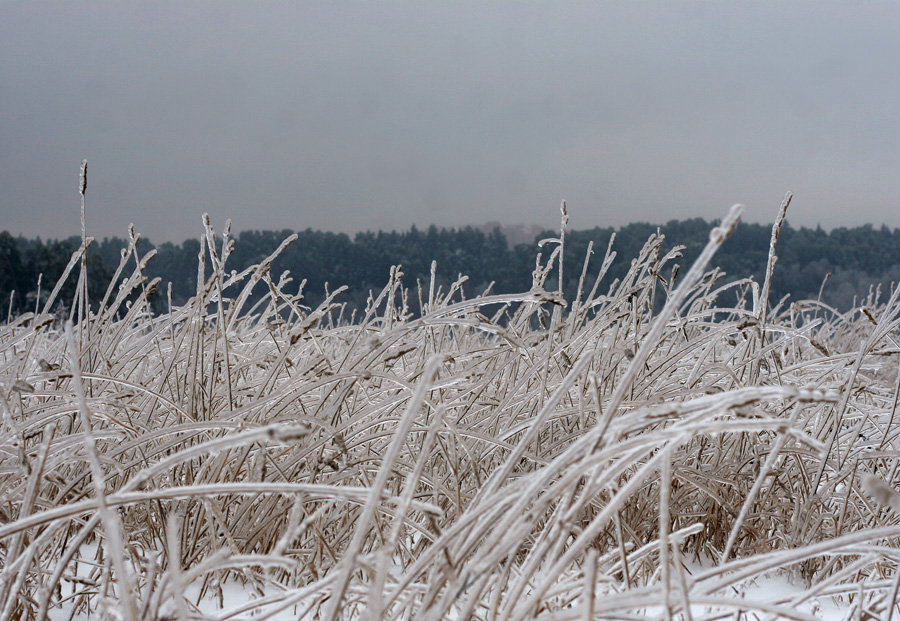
349,117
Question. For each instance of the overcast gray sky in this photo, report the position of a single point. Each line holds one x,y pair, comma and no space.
355,116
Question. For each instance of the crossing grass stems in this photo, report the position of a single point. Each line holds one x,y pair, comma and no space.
497,457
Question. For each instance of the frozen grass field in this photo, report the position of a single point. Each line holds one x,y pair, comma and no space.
665,445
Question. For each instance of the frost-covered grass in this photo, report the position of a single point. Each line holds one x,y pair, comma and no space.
494,457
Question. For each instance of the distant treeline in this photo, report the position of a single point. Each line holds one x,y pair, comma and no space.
855,258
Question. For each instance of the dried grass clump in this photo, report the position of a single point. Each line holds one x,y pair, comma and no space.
496,457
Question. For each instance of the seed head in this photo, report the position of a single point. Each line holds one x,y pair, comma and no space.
82,182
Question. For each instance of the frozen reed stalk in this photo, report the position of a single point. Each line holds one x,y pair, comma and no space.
173,551
218,265
10,587
665,489
590,584
112,526
363,524
82,184
886,323
563,226
892,600
717,237
82,188
774,454
84,305
763,310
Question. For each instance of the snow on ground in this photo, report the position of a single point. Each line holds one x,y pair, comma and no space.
242,602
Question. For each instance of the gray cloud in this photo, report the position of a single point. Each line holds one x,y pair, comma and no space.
349,116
